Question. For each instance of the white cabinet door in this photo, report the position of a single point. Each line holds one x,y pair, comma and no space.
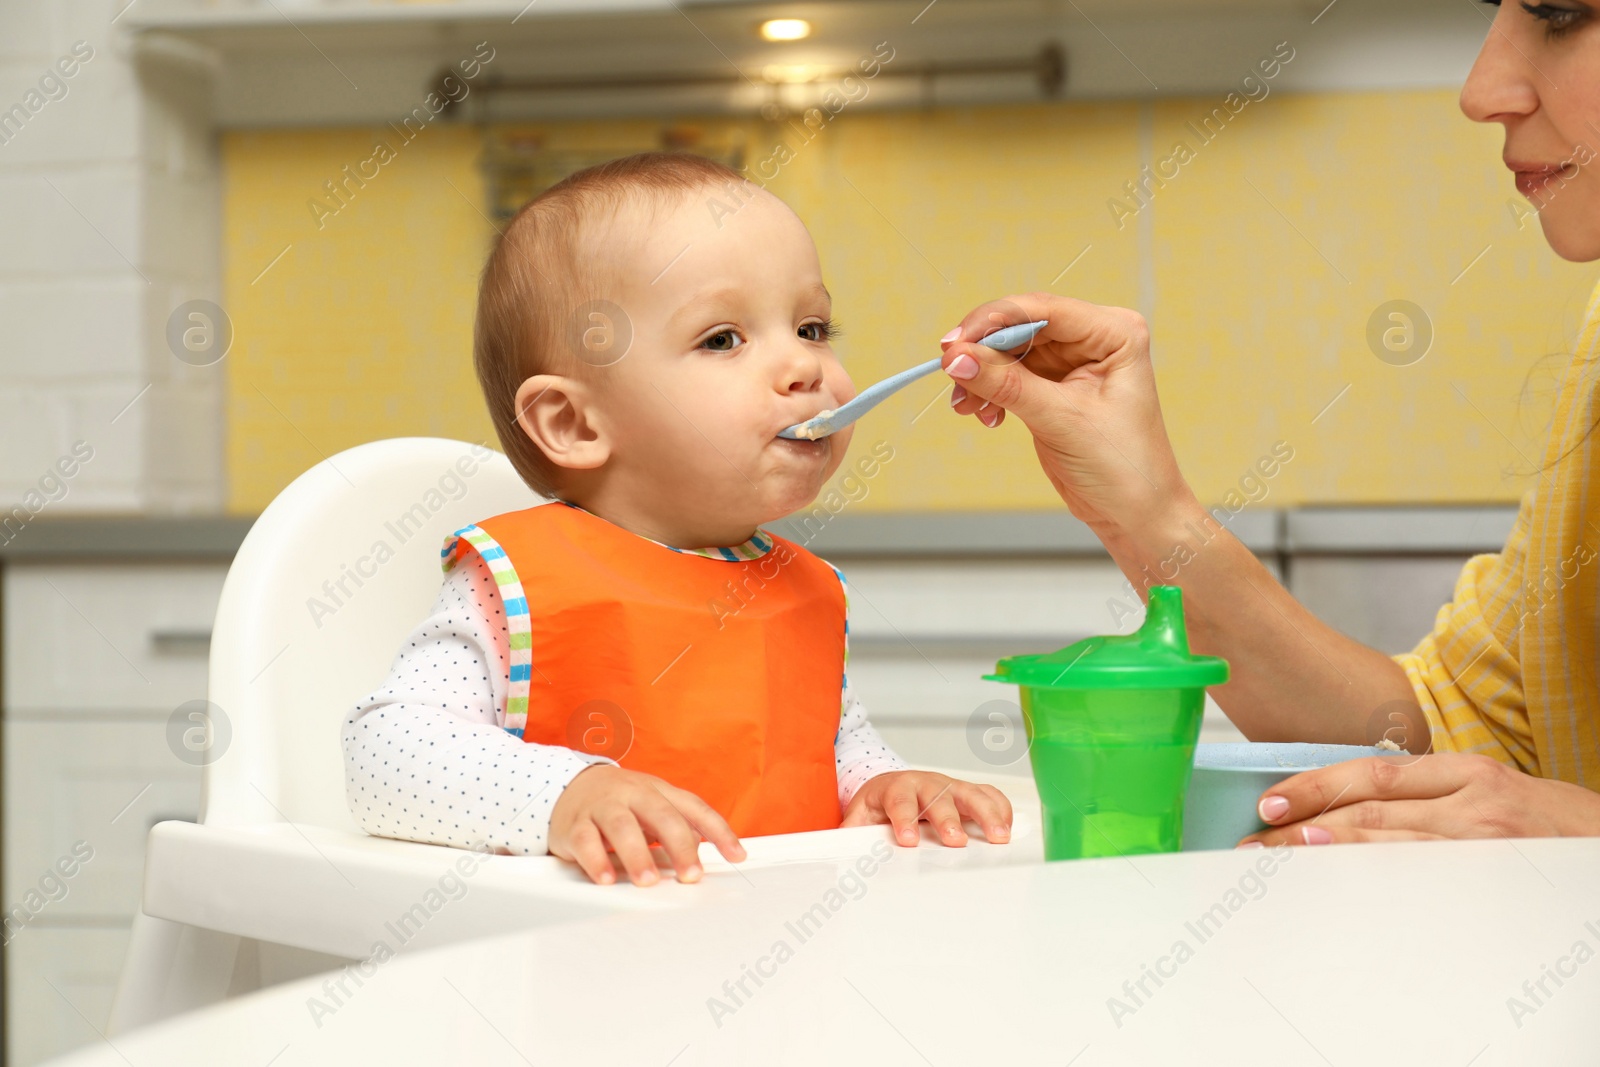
97,657
107,637
99,782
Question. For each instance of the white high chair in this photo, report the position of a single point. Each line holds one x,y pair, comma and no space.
275,881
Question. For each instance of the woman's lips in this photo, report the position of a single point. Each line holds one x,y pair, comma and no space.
1534,178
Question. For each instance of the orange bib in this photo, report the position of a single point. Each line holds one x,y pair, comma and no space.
721,676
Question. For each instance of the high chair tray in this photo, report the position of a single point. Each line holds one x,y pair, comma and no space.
338,892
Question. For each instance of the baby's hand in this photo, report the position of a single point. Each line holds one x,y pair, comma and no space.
903,798
608,805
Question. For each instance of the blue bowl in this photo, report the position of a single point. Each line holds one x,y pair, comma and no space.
1230,778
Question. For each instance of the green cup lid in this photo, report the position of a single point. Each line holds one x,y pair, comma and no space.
1156,656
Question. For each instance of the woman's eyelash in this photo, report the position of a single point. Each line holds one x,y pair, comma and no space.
1557,20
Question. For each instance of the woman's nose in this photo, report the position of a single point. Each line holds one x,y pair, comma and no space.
1501,86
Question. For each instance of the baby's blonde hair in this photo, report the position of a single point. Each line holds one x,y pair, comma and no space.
537,277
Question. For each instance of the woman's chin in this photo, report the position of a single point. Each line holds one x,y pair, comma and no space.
1576,240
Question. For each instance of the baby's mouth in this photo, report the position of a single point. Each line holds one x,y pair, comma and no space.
806,433
816,449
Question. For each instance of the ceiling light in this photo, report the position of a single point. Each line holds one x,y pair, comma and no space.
785,29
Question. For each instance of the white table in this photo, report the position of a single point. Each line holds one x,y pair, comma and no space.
1403,954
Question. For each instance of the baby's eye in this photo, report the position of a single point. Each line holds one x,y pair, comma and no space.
722,341
819,331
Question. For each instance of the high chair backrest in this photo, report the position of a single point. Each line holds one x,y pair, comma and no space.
330,579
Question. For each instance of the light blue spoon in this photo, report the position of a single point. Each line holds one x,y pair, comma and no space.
831,422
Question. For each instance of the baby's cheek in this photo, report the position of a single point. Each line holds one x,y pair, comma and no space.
843,389
841,445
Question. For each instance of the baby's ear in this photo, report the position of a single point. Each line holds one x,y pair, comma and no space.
559,416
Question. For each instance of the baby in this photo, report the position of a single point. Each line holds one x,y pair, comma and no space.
645,328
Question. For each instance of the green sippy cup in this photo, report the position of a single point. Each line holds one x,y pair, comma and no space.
1112,724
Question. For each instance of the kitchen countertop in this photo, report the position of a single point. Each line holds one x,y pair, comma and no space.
1399,530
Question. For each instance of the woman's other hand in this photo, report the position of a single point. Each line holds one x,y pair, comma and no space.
1413,798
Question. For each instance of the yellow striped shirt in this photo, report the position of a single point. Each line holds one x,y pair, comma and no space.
1512,667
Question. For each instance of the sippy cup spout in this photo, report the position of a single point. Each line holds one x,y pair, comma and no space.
1163,622
1155,656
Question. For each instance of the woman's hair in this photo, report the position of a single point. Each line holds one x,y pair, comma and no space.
541,273
1560,364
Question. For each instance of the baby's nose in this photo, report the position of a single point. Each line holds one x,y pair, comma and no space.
802,378
798,370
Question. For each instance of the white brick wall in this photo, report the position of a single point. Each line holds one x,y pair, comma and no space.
108,221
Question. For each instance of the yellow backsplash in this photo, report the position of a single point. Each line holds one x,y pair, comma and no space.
1259,262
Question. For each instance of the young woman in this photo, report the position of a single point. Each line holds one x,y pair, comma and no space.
1504,693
